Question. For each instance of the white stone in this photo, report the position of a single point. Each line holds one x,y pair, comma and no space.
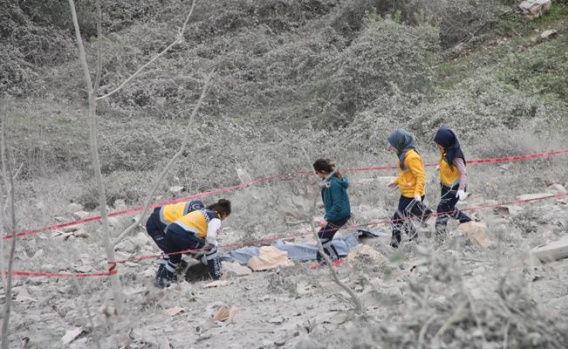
476,232
176,189
552,251
72,207
534,8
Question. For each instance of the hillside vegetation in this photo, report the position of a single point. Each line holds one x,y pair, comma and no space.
322,78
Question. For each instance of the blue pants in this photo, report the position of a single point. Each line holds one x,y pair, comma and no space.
179,239
447,208
156,229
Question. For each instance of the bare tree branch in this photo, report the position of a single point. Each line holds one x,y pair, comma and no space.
92,119
7,170
170,163
356,302
6,187
99,69
178,40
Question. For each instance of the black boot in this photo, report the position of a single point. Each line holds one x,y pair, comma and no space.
159,272
214,267
164,276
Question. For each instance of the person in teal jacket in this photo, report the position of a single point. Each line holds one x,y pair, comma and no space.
336,203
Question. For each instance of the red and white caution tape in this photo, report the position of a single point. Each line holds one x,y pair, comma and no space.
112,269
262,180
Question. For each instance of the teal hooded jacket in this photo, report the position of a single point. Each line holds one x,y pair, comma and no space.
335,198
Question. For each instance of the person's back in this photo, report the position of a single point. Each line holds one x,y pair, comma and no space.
195,233
172,212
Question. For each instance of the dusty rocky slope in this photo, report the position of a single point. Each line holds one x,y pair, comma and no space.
450,293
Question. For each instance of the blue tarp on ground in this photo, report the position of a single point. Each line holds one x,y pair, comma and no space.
304,252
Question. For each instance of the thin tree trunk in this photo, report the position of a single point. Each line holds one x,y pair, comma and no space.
356,302
169,164
5,189
92,116
6,170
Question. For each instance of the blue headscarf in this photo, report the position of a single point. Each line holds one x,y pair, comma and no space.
448,140
402,141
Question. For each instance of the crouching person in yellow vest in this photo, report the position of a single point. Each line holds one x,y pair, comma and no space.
194,233
165,215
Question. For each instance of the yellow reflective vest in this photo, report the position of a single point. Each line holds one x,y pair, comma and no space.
172,212
197,222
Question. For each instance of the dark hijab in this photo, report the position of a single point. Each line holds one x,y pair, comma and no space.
448,140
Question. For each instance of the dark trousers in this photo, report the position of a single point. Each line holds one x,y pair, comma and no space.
407,208
326,234
156,229
178,239
447,208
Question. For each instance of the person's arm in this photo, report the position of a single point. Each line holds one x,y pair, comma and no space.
460,164
397,179
212,229
416,165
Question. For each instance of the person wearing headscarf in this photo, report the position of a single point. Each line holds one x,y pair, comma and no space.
453,179
411,183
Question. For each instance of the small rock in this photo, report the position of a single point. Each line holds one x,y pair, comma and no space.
176,189
556,188
548,34
236,269
71,335
476,232
216,283
72,207
365,253
276,320
534,8
80,214
120,205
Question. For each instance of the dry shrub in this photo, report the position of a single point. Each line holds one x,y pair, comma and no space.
442,314
385,57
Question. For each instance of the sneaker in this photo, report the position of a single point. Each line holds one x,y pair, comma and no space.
335,263
338,262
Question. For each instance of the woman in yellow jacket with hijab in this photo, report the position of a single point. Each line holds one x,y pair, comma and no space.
453,179
411,183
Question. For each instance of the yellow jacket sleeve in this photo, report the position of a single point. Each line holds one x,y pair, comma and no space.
415,165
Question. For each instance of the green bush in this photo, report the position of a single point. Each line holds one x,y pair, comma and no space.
386,57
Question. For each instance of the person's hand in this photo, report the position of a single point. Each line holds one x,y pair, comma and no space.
323,223
391,185
418,198
460,195
437,168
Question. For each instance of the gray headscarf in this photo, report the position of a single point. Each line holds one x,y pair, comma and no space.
403,142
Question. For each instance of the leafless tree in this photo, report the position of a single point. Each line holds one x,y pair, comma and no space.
11,226
92,119
92,89
356,302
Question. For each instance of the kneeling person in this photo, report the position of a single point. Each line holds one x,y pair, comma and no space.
196,231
